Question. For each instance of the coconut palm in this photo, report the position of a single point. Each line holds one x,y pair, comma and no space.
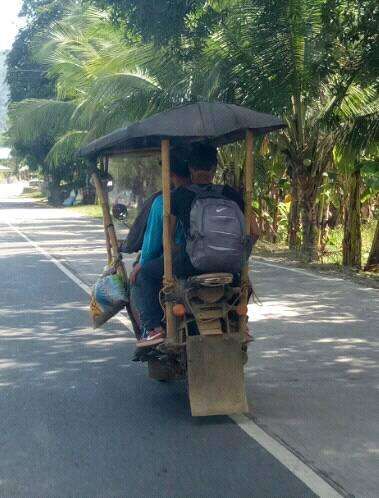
101,85
274,56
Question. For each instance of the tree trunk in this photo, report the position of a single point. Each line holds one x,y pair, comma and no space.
260,214
55,195
323,225
373,259
352,243
275,198
294,218
309,220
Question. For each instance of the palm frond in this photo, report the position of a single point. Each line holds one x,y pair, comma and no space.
65,148
34,118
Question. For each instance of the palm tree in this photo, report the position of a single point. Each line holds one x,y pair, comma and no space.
101,85
373,259
275,56
357,139
270,55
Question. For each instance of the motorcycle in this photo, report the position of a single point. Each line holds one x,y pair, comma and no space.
206,315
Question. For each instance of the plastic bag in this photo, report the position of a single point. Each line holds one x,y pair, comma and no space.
109,296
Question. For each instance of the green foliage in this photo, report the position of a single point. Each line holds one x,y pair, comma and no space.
32,119
153,20
334,243
312,61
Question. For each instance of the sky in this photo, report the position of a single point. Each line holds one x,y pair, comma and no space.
9,22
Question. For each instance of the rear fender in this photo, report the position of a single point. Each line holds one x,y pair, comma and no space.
215,375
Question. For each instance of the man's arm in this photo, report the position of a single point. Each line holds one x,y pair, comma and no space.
152,241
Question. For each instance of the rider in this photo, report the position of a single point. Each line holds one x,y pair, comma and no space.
202,165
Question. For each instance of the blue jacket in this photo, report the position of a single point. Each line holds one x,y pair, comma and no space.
152,246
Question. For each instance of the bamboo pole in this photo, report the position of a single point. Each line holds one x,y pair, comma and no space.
112,243
167,247
110,233
108,244
248,184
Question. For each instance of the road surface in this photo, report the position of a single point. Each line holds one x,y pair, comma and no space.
77,417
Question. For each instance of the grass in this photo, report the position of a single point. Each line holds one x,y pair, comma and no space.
334,245
332,259
92,210
95,211
33,194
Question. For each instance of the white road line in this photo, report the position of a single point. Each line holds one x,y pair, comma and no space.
258,260
308,476
314,482
123,319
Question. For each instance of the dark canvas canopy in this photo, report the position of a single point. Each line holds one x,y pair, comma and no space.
217,122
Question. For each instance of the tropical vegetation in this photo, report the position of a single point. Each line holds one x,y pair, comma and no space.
101,64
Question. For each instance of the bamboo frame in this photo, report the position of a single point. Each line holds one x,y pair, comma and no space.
248,184
108,244
110,233
167,246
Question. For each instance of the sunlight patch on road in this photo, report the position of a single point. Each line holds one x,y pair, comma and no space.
271,310
344,340
110,341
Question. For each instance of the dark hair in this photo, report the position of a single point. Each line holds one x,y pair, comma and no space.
179,162
203,157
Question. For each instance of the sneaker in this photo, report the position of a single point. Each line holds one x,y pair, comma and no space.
152,338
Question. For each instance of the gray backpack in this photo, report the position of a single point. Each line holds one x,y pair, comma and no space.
216,241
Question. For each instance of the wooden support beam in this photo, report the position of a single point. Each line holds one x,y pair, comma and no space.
110,233
167,246
248,185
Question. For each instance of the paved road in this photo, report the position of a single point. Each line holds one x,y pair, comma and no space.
77,417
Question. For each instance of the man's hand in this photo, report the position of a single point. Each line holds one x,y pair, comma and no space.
133,275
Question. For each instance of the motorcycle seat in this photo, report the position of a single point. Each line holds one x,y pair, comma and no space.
211,279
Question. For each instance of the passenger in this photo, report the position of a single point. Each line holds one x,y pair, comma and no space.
152,246
202,165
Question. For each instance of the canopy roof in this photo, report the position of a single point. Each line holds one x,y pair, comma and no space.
218,123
